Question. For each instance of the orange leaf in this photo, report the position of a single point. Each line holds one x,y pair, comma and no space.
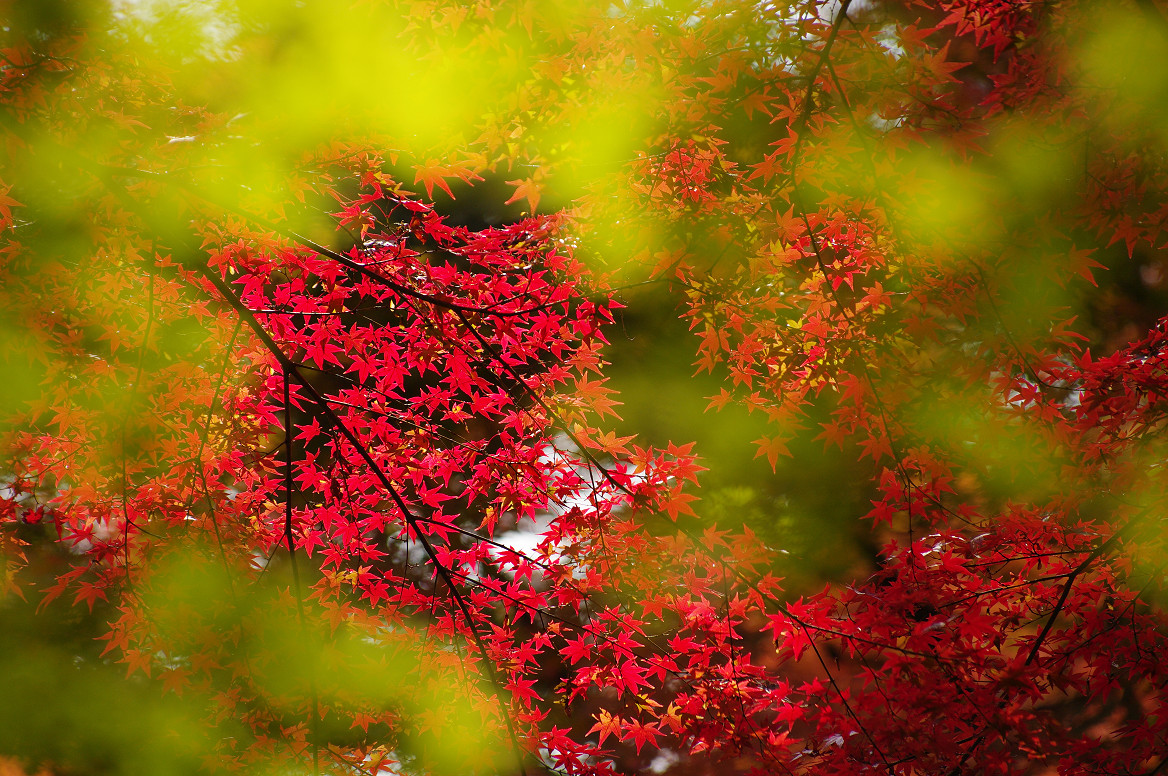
525,188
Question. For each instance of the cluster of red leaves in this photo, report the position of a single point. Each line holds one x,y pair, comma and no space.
266,453
1010,625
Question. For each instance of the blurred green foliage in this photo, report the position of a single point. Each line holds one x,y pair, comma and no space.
66,708
73,710
806,508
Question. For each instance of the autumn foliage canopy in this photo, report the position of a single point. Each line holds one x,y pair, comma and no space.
312,462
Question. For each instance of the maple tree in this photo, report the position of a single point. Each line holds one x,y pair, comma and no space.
328,461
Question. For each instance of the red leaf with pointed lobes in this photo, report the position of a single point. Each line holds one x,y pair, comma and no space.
606,725
432,174
772,448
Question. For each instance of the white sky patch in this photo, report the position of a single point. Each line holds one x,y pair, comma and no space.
889,40
830,8
665,759
214,21
526,537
